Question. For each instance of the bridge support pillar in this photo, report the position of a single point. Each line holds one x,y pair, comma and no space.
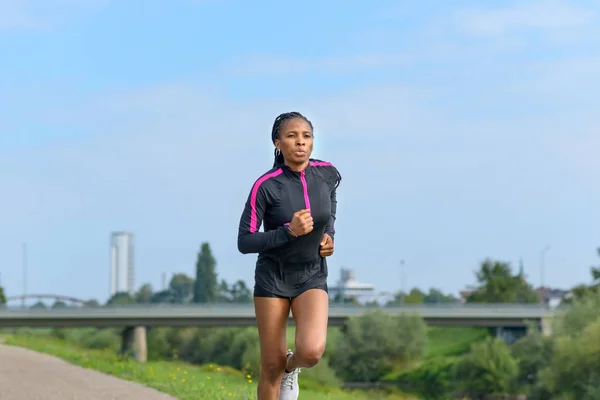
546,326
134,343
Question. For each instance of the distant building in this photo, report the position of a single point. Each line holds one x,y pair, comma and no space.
464,294
122,269
349,287
552,297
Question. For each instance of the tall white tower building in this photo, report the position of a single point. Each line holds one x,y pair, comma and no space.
122,270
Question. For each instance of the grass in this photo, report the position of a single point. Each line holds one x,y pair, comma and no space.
442,342
446,342
452,341
184,381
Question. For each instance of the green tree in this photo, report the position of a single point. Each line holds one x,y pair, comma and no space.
415,296
223,294
574,369
372,303
532,352
240,293
164,297
596,270
144,294
205,287
120,298
39,306
397,300
488,369
59,304
182,286
2,296
92,303
499,285
436,296
373,344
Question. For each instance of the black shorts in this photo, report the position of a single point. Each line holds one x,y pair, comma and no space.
261,292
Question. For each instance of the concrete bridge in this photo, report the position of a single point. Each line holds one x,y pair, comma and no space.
136,318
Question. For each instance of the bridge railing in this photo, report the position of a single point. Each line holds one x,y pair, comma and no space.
232,308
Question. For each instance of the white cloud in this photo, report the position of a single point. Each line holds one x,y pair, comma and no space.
270,65
14,14
435,40
536,14
558,84
41,14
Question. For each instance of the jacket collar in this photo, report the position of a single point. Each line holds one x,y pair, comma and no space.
286,169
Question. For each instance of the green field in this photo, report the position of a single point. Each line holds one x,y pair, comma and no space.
442,342
181,380
452,341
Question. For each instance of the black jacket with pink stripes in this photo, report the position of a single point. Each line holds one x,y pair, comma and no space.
272,202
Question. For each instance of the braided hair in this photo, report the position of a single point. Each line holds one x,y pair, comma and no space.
275,132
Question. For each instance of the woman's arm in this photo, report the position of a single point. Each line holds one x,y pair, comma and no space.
250,240
330,227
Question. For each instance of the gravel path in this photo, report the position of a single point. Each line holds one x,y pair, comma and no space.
28,375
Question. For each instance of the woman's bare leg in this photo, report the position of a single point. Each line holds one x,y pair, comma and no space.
311,314
272,315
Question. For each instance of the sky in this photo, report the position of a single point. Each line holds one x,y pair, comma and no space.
462,131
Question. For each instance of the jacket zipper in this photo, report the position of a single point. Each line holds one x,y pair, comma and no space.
305,189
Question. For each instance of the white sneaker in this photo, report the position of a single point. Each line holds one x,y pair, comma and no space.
289,383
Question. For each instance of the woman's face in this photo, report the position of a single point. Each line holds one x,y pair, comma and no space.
295,141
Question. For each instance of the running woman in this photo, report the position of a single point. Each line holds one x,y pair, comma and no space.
296,202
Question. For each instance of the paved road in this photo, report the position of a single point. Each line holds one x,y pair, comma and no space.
27,375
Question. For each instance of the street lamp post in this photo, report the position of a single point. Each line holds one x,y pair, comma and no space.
542,266
402,278
24,274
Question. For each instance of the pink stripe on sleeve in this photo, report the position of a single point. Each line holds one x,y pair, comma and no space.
254,194
320,164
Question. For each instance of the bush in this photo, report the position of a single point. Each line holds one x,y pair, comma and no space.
102,339
243,351
320,377
159,347
251,359
94,338
578,317
179,339
236,347
533,352
433,379
575,366
371,345
488,369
